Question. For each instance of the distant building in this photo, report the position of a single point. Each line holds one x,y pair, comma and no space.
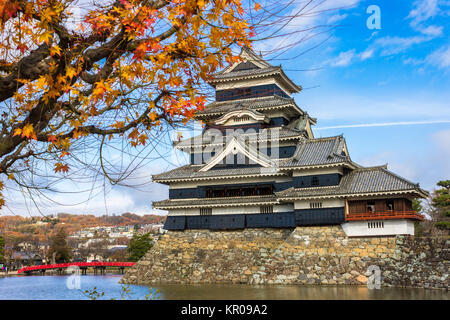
21,259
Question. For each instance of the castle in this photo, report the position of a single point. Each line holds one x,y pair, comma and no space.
258,165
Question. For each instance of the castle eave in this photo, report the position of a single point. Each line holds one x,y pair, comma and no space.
216,202
411,192
212,177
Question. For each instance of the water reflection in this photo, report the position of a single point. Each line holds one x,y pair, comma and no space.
54,288
236,292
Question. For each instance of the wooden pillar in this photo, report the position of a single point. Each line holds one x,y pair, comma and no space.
346,207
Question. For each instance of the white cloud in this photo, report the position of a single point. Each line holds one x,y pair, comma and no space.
309,25
440,57
431,30
368,53
412,61
393,45
344,59
423,10
336,18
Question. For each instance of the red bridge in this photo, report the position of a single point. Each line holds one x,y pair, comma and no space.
98,266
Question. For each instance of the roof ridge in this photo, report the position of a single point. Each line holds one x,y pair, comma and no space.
382,166
386,170
257,72
399,177
323,138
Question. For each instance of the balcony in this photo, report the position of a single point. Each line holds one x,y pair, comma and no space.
384,215
243,191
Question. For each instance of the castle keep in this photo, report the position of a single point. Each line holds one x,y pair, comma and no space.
258,165
264,202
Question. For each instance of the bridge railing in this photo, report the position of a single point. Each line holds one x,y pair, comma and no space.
79,264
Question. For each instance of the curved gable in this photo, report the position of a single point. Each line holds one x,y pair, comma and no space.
242,116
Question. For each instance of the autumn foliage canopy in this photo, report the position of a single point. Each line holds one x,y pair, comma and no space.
73,69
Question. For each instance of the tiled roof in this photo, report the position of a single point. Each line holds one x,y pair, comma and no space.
317,152
310,152
358,181
271,134
210,202
250,103
245,73
249,62
189,172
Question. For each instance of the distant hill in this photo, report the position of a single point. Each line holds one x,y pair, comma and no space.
42,227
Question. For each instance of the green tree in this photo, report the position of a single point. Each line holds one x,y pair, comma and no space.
59,247
418,225
2,249
441,202
138,246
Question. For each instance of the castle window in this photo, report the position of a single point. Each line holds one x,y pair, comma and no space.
205,211
266,209
315,205
375,225
315,181
370,206
244,191
390,205
241,119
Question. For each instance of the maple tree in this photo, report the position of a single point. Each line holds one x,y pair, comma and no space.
115,69
80,78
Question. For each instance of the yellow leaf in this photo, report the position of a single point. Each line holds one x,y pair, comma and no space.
17,132
71,72
153,116
55,50
28,131
46,36
40,83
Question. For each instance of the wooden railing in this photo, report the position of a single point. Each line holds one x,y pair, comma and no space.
384,215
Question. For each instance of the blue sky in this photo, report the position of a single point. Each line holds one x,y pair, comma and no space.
399,73
386,90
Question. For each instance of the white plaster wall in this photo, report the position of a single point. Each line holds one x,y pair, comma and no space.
183,212
310,172
391,227
331,203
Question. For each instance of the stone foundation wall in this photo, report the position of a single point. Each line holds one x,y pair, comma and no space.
418,262
304,255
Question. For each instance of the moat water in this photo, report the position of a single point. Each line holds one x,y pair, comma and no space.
66,288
